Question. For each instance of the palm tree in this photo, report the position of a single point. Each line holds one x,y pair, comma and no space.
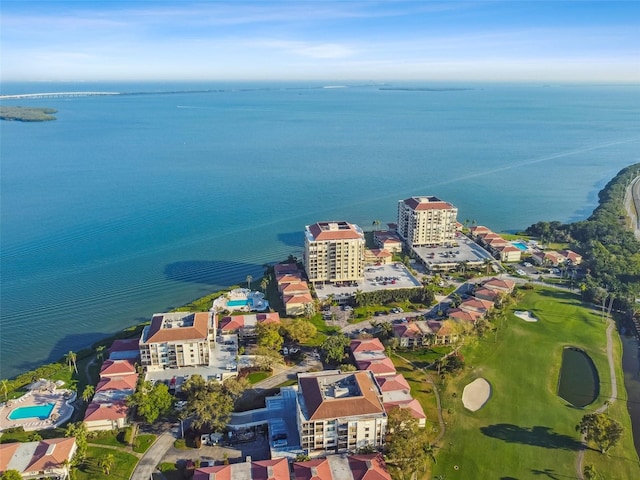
264,283
100,352
249,278
106,463
88,392
5,389
71,358
375,224
487,265
182,416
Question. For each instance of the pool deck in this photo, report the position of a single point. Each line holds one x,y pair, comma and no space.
62,410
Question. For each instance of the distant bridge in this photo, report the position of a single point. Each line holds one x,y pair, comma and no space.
56,95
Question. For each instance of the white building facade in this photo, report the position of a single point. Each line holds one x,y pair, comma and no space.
426,221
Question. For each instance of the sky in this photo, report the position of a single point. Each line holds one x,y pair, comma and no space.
366,40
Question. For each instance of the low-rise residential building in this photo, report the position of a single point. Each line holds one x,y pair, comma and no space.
125,349
178,339
499,285
572,257
548,258
293,289
333,467
245,325
106,416
377,256
49,458
488,294
476,305
334,252
339,411
508,253
388,240
469,316
413,334
297,304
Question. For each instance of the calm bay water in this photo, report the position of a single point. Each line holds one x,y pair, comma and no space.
130,205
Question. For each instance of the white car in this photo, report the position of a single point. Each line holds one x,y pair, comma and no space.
521,272
527,264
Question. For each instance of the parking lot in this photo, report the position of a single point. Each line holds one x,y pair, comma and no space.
376,277
448,257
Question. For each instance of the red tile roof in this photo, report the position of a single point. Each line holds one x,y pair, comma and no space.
285,268
270,469
366,344
322,231
368,467
427,203
198,331
476,304
377,367
412,405
499,284
126,382
477,230
318,469
297,299
105,411
125,345
288,278
221,472
393,383
465,315
51,454
366,403
291,288
486,292
7,451
112,368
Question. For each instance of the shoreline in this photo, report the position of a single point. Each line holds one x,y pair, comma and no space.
632,205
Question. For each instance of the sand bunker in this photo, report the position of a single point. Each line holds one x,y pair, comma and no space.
476,394
526,316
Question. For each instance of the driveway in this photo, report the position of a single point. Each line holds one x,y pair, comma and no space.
147,464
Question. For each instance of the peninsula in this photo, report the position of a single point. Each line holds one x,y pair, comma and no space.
27,114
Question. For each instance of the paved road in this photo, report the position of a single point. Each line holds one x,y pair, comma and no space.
632,205
147,464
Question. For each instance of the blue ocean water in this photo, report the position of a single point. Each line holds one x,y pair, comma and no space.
133,204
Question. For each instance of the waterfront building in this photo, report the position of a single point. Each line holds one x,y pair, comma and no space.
339,411
426,221
179,339
245,325
334,252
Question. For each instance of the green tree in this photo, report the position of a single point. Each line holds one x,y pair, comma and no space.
249,278
299,330
100,352
79,431
589,472
264,283
235,386
266,358
600,429
106,463
210,406
405,443
71,358
4,386
268,335
347,367
333,348
151,401
11,475
88,392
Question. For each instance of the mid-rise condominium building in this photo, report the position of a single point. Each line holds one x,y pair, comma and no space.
426,221
179,339
339,411
334,252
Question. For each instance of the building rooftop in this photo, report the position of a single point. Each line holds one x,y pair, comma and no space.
177,326
338,230
331,394
105,411
427,203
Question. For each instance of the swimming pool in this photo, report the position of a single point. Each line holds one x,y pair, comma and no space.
520,245
238,303
41,412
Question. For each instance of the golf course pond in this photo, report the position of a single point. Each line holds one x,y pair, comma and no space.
579,383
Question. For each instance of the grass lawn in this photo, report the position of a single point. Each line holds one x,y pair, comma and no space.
526,431
255,377
123,465
143,442
112,439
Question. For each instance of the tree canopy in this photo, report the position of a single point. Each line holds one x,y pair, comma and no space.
210,403
151,401
406,446
268,335
299,330
333,348
600,429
